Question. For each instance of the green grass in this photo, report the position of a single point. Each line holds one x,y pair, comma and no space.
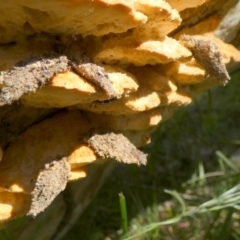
123,209
189,205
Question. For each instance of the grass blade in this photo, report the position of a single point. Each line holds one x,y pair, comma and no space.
123,210
178,198
227,161
153,226
224,232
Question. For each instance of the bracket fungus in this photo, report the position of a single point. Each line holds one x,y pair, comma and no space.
85,82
